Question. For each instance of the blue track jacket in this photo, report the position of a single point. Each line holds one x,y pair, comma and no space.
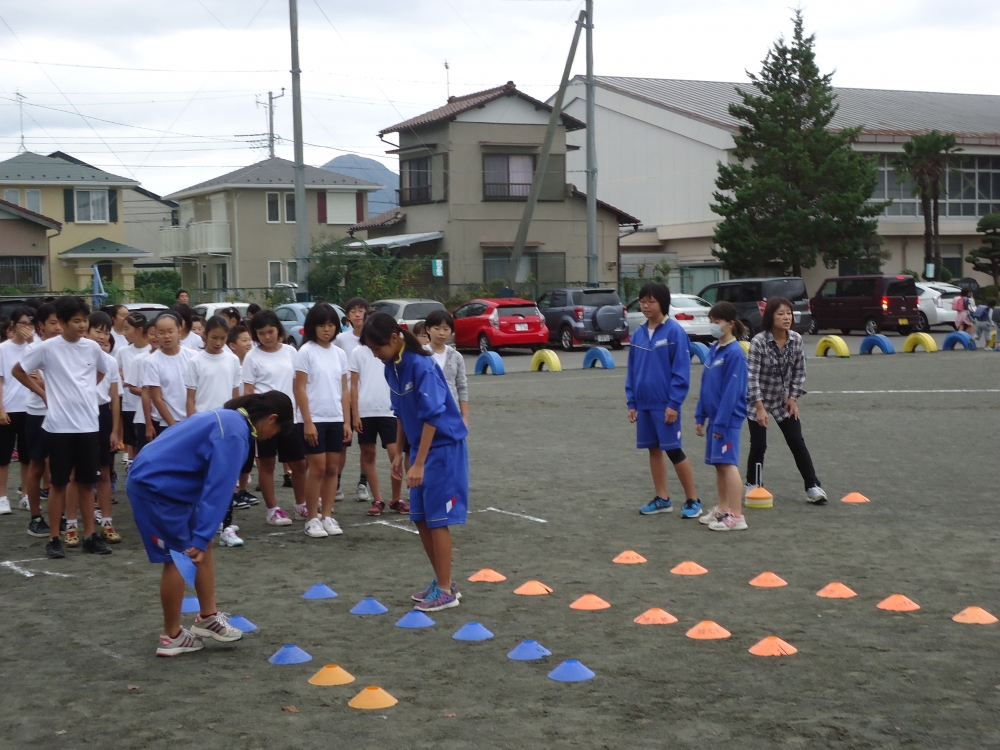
186,476
659,367
420,395
723,397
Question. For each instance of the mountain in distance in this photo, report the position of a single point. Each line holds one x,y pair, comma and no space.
353,165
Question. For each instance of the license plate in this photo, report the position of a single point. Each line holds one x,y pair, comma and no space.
520,326
701,320
904,321
603,338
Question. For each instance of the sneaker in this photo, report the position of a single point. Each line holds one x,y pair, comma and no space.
400,506
816,495
300,511
125,460
729,522
437,600
94,545
37,527
314,528
332,527
4,506
217,626
249,497
229,538
377,507
72,537
658,505
240,502
714,515
747,487
23,504
108,533
98,516
54,549
184,643
45,493
421,595
340,495
286,480
691,509
276,517
364,494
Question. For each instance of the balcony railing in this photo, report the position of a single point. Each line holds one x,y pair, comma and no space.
506,190
198,238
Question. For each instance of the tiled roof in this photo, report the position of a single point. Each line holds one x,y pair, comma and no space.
24,213
458,104
623,218
31,168
385,219
141,190
102,248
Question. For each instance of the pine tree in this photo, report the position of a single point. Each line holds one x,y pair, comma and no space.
986,259
797,192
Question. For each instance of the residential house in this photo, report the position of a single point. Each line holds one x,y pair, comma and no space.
88,202
238,230
466,169
659,142
24,246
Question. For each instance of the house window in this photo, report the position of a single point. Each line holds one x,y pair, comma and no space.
415,180
33,200
507,176
21,271
273,208
91,206
273,272
222,276
971,188
12,195
544,268
293,271
290,208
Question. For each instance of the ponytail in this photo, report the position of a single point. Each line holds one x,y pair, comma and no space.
260,405
727,311
379,329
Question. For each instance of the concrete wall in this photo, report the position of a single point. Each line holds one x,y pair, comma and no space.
144,217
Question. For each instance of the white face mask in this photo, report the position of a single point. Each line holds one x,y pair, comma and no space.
715,330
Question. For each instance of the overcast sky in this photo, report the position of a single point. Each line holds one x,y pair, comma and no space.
165,92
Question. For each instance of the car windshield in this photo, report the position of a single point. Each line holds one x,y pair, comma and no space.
596,297
420,310
510,311
688,301
793,289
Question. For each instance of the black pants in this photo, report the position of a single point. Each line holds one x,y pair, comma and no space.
791,429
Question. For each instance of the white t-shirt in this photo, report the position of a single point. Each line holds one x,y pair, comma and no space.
192,341
212,377
70,371
15,395
135,376
347,341
440,359
271,371
35,405
125,359
113,376
168,371
373,392
325,368
120,342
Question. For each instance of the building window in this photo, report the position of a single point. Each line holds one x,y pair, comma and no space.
273,272
544,268
21,271
273,208
222,276
415,180
293,271
290,208
33,200
507,176
971,188
91,206
12,195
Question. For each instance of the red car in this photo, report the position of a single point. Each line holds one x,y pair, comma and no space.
488,324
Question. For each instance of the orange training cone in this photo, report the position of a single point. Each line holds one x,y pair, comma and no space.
835,591
589,602
706,630
331,674
758,497
372,698
768,580
854,497
487,575
533,588
628,557
974,616
688,568
655,616
898,603
772,646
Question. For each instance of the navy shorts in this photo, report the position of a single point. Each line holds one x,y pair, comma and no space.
724,449
13,435
373,428
331,438
37,438
75,454
443,498
652,432
288,448
105,421
128,427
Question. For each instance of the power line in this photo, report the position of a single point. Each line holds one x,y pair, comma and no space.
137,70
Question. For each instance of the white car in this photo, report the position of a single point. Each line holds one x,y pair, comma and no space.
689,311
209,309
407,312
935,301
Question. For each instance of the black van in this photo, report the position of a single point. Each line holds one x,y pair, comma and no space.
751,295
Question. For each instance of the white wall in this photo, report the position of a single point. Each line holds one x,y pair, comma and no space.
143,219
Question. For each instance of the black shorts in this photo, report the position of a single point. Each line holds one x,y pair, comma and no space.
375,427
248,464
331,438
140,432
287,448
37,438
14,434
74,450
105,456
128,427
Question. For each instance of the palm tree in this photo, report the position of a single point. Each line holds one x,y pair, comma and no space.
924,161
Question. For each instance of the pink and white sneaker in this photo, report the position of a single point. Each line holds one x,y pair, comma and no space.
729,522
184,643
276,517
217,626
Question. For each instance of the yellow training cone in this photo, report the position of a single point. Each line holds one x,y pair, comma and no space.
331,674
372,698
628,557
974,616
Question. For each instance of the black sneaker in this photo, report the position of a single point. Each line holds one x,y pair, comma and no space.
95,545
54,549
240,502
287,481
250,498
38,527
62,525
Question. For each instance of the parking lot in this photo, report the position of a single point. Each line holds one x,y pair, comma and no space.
556,483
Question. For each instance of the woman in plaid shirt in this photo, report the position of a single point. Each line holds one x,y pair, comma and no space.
776,374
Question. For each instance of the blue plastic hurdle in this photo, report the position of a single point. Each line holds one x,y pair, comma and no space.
489,361
958,338
699,350
877,341
598,354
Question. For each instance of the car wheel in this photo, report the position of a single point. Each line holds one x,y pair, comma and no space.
845,331
871,326
616,344
814,326
484,343
923,324
566,339
291,342
904,330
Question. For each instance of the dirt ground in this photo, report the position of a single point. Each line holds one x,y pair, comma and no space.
77,660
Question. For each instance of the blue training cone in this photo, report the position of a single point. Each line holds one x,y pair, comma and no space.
369,606
472,631
528,651
571,671
190,605
242,623
289,654
185,567
414,619
320,591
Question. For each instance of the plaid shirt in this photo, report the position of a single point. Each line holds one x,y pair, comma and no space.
774,374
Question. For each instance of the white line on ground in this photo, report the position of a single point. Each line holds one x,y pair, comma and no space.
387,523
511,513
916,390
13,565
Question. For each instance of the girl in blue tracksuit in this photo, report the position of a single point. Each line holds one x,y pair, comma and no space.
722,404
428,417
657,382
180,487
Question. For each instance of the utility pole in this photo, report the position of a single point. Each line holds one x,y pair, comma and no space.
301,235
447,80
270,119
20,110
592,250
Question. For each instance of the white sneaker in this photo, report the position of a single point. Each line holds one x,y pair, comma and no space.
816,495
364,494
300,512
314,528
217,627
332,527
24,504
276,517
229,538
184,643
713,515
4,506
339,495
729,522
